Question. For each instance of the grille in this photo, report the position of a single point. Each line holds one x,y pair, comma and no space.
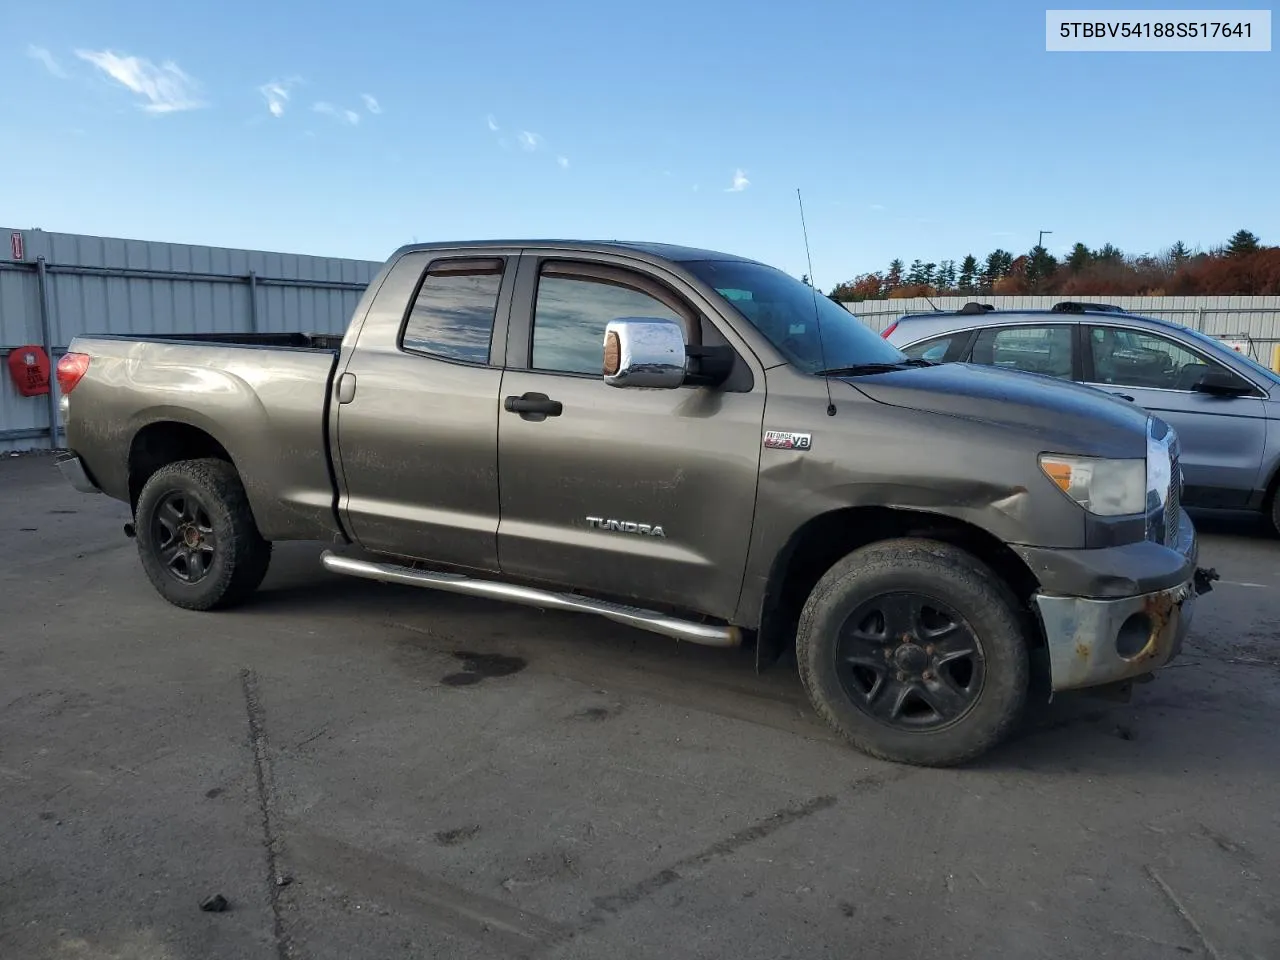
1173,506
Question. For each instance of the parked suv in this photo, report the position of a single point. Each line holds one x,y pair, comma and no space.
1224,405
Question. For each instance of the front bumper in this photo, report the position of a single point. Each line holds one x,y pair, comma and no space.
73,471
1094,641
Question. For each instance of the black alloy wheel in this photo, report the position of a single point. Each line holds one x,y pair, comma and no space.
910,661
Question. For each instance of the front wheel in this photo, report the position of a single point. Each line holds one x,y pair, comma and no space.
913,651
197,537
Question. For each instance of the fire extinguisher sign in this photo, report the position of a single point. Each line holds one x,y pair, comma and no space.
16,246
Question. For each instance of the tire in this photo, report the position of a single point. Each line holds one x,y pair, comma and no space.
955,707
1274,514
197,538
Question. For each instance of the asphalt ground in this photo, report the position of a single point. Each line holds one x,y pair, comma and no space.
370,771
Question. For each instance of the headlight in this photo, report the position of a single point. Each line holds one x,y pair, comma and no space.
1109,488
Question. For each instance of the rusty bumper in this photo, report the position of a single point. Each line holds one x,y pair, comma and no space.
1096,641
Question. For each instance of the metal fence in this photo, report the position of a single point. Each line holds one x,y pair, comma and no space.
1252,324
55,286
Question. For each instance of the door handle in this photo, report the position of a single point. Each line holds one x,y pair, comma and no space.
534,406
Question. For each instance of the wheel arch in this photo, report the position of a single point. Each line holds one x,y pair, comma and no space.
815,546
162,442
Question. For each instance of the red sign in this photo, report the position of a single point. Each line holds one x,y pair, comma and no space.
29,368
17,246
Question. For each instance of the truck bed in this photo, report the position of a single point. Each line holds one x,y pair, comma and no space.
262,398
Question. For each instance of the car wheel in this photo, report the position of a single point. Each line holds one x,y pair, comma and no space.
197,538
914,651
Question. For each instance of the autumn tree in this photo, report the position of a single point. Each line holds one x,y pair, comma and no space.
867,286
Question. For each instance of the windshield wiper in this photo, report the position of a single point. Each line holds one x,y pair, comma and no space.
858,369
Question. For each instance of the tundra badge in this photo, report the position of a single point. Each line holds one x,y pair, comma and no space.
783,440
626,526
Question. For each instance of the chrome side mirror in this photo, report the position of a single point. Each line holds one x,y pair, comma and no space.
644,352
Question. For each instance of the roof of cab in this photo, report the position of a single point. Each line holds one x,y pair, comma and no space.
661,251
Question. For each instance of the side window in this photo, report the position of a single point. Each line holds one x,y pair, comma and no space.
1045,350
938,349
453,312
1131,358
574,307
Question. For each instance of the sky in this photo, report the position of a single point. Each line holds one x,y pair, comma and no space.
914,130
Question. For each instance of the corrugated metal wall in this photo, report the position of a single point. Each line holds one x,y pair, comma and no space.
110,285
1255,317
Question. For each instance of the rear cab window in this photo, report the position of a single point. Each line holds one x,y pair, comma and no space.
454,309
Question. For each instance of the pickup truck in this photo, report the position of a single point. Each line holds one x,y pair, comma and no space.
684,441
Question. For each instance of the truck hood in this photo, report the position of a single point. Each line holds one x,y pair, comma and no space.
1071,417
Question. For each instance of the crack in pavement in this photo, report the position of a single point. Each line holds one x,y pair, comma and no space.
266,805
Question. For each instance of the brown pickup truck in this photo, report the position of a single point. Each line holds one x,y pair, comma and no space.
679,440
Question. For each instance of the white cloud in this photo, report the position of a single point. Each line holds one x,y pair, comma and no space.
740,182
349,117
165,87
371,103
877,206
45,57
563,161
529,141
276,93
493,124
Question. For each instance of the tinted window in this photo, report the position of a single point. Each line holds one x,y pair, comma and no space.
1131,358
571,314
787,313
935,349
453,313
1045,350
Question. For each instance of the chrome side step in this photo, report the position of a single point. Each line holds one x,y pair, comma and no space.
706,634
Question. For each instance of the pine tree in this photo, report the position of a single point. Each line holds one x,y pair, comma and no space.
968,272
929,274
893,278
916,274
1242,242
1109,253
1079,258
1041,264
1179,254
946,279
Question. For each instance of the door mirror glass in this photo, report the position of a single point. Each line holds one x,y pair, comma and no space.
644,352
1221,382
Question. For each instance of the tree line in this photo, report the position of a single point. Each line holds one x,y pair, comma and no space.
1241,267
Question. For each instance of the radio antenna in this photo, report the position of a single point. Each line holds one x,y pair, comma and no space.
817,318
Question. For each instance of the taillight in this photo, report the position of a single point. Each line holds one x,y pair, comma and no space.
889,329
71,368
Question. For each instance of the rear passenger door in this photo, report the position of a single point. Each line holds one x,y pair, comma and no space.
417,410
684,459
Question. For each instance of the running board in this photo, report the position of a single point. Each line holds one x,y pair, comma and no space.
706,634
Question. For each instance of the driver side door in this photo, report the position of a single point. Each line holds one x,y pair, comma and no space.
1222,437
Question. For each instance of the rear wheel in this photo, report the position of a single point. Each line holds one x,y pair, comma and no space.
914,652
196,535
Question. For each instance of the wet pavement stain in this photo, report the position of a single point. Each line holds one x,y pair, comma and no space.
482,666
451,838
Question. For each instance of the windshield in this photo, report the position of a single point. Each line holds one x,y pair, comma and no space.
782,309
1269,375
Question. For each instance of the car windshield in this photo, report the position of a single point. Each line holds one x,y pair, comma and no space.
1269,375
782,309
